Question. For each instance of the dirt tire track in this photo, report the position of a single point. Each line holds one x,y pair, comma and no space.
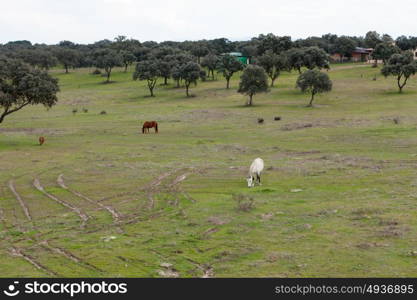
207,270
2,218
151,188
189,198
20,200
18,253
45,244
147,187
209,231
82,215
151,199
161,177
179,178
115,214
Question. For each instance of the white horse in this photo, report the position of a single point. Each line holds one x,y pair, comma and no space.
255,169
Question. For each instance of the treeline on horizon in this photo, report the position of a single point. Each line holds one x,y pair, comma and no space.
24,77
127,51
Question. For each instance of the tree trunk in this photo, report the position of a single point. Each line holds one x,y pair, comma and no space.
7,112
151,90
186,89
66,69
151,86
250,100
228,80
165,80
126,68
312,99
272,81
108,76
2,117
401,85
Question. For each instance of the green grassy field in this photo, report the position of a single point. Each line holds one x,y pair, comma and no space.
338,197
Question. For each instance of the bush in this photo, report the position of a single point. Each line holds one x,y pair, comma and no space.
243,202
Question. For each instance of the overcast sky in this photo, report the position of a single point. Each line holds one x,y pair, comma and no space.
86,21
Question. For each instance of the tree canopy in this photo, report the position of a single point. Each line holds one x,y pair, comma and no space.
405,43
147,70
314,82
107,59
199,49
372,38
22,85
271,42
402,66
69,58
273,64
344,46
228,65
210,62
253,81
314,57
127,58
190,73
40,58
383,51
295,59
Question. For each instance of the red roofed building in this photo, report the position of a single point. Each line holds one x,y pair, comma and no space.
358,55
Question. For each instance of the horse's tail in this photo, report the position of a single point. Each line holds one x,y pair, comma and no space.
156,127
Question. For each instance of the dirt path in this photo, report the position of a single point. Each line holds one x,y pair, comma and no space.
154,187
82,215
171,187
341,67
19,253
2,218
63,252
20,200
115,214
179,178
207,270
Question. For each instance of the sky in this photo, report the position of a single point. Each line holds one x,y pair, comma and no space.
87,21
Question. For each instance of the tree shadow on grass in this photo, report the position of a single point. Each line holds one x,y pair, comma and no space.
394,92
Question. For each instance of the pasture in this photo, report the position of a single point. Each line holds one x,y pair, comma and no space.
101,199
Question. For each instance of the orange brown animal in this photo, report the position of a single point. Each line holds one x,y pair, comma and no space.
149,124
41,140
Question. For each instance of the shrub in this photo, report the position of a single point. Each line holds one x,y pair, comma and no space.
243,202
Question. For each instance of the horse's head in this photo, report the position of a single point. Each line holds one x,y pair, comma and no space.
250,181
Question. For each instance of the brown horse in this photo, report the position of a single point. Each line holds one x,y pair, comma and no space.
41,140
149,124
